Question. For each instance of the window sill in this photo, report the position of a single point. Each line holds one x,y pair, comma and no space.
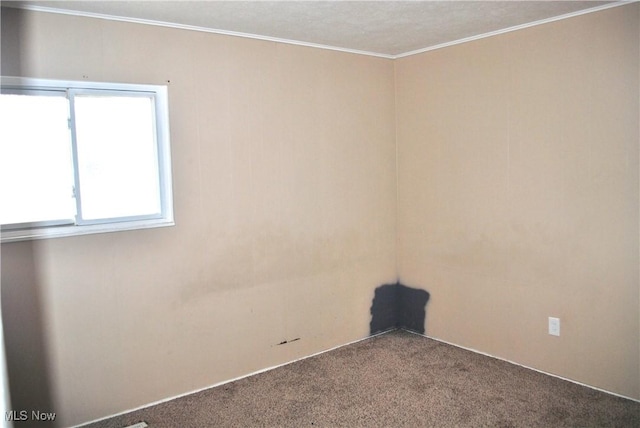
73,230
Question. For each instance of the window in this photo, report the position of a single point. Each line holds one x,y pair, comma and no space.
79,157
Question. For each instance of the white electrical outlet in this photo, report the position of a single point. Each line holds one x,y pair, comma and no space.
554,326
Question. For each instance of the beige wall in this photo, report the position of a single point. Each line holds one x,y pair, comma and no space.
284,186
518,194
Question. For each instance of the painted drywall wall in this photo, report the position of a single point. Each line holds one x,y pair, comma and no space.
518,200
518,194
284,186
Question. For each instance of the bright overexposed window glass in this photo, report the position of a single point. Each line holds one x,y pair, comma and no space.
117,161
80,157
36,172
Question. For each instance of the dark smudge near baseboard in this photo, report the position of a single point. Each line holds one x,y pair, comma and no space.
398,306
284,342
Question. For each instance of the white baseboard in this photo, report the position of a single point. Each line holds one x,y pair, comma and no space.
522,365
340,346
195,391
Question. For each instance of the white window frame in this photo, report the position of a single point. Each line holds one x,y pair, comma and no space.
61,229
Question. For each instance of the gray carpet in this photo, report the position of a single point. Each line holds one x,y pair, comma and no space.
393,380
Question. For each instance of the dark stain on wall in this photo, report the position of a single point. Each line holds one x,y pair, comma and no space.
384,309
284,342
398,306
412,308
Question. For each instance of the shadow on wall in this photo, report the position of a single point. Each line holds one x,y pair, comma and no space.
24,335
13,30
21,285
398,306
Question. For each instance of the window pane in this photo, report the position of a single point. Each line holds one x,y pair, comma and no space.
117,159
36,173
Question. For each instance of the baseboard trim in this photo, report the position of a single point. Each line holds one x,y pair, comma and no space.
164,400
195,391
523,366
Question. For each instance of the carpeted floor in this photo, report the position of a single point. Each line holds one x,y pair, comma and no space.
392,380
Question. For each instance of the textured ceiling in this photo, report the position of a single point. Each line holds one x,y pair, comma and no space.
385,28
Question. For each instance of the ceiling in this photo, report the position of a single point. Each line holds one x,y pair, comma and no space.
383,28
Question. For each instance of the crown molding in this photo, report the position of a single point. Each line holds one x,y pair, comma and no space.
193,28
316,45
516,28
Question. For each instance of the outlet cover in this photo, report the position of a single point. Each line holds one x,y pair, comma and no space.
554,326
